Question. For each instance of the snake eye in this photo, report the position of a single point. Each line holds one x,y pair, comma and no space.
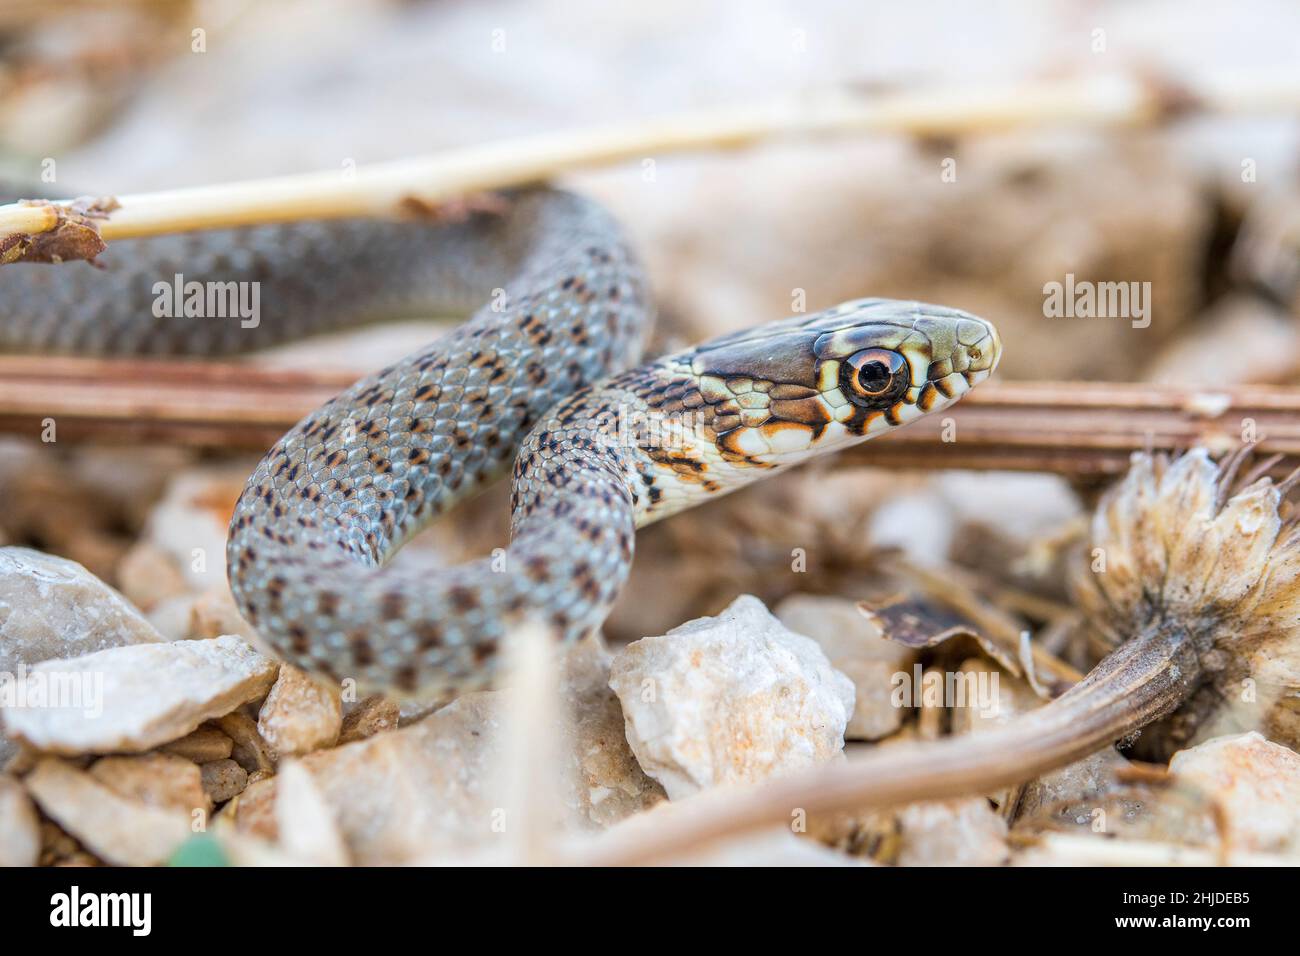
874,376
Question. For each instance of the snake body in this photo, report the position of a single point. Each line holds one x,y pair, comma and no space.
544,373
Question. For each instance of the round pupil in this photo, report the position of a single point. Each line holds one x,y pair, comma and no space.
874,376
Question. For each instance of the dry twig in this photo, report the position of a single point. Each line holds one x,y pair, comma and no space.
1138,683
390,189
1071,428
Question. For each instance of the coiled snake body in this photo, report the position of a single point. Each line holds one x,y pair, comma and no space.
544,370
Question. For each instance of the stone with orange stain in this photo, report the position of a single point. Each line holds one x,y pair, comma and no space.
1256,783
301,714
731,699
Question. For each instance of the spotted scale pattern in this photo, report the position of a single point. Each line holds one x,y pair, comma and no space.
310,277
318,519
312,534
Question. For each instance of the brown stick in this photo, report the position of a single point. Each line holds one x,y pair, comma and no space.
200,404
1138,683
1074,428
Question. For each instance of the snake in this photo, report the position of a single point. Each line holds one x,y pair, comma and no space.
545,371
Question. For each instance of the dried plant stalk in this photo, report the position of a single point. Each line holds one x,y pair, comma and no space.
953,588
389,189
1072,428
201,404
19,218
1140,682
45,232
528,763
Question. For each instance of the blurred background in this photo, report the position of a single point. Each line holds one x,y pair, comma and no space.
137,96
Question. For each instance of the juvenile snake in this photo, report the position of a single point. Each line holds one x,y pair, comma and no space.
544,373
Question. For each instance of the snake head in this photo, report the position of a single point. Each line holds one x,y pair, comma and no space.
798,387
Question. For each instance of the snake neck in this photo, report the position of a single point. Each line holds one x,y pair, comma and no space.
668,438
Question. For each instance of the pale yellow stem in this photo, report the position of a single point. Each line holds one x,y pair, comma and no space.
18,219
384,189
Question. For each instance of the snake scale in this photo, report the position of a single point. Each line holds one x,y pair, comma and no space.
544,373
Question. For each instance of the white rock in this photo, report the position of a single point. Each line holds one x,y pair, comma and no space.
172,617
115,828
301,714
307,827
731,699
857,650
1241,337
952,833
432,790
603,783
54,608
138,697
425,788
1255,781
20,830
214,613
841,630
158,780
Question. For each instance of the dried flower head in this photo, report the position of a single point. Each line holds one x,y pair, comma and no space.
1186,544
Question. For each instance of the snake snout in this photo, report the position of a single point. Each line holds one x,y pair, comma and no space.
982,345
960,343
